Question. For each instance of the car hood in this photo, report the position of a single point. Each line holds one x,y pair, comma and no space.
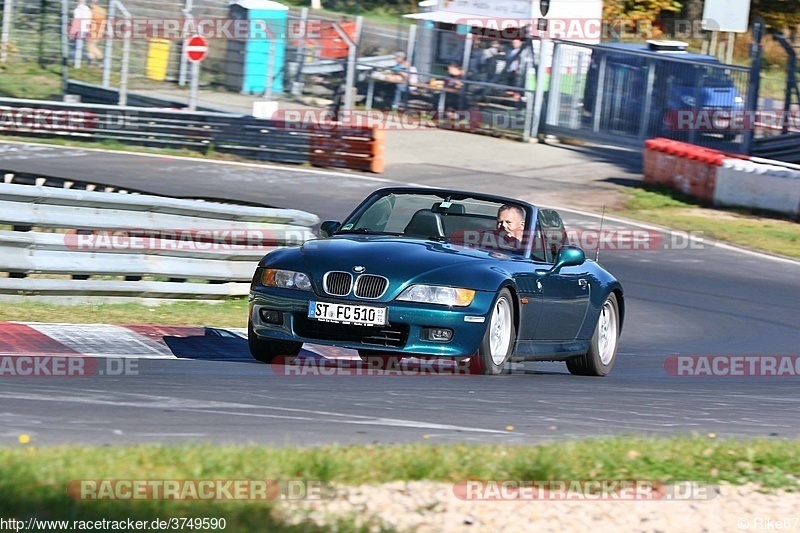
403,261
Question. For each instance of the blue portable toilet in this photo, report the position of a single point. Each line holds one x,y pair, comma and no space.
248,55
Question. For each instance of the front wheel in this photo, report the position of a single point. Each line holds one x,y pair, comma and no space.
267,351
495,349
603,348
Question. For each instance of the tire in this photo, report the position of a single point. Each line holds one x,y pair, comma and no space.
498,342
267,351
602,353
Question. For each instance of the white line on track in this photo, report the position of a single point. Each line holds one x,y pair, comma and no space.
215,407
368,421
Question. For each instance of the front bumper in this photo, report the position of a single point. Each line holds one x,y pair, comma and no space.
404,332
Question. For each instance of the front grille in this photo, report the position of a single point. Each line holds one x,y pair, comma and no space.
387,336
337,283
370,286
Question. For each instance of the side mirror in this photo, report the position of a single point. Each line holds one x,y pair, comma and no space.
328,228
569,256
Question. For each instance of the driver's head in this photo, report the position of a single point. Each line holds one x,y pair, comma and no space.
511,218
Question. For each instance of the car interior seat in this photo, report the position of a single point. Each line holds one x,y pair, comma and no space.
425,223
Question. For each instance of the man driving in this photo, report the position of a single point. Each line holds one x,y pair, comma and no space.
511,224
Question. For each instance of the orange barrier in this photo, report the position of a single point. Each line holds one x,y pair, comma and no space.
327,43
357,148
682,166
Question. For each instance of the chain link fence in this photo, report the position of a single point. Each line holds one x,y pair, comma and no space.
606,92
307,52
624,94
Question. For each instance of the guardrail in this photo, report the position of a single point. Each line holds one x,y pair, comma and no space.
785,147
326,145
124,245
97,94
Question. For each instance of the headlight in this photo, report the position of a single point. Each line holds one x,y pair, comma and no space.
432,294
288,279
688,100
738,100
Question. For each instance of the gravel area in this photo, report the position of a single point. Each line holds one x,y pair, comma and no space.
422,506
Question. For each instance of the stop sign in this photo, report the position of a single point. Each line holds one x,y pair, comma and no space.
196,48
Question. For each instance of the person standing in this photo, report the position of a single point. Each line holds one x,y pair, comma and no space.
408,80
96,32
517,59
493,61
79,29
455,97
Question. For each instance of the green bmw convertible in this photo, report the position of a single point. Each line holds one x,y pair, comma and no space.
438,273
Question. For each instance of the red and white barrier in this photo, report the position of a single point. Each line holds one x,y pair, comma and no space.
723,179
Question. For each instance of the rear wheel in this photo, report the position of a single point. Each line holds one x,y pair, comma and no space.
495,349
268,351
603,348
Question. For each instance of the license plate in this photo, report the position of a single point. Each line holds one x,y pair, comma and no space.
361,315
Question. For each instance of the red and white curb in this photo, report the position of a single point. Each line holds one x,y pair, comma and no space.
101,340
143,341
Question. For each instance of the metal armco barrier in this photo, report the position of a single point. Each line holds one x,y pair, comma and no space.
123,245
782,147
97,94
327,145
722,179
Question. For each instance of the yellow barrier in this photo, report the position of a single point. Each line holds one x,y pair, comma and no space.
158,59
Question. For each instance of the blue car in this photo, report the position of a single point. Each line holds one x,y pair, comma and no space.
696,87
429,273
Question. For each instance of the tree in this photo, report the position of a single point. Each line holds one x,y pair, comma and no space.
778,14
693,9
636,10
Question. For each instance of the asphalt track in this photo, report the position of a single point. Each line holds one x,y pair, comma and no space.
698,300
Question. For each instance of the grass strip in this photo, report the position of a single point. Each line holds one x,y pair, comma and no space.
33,481
230,313
760,231
26,79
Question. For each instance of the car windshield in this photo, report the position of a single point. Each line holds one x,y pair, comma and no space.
712,76
442,217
